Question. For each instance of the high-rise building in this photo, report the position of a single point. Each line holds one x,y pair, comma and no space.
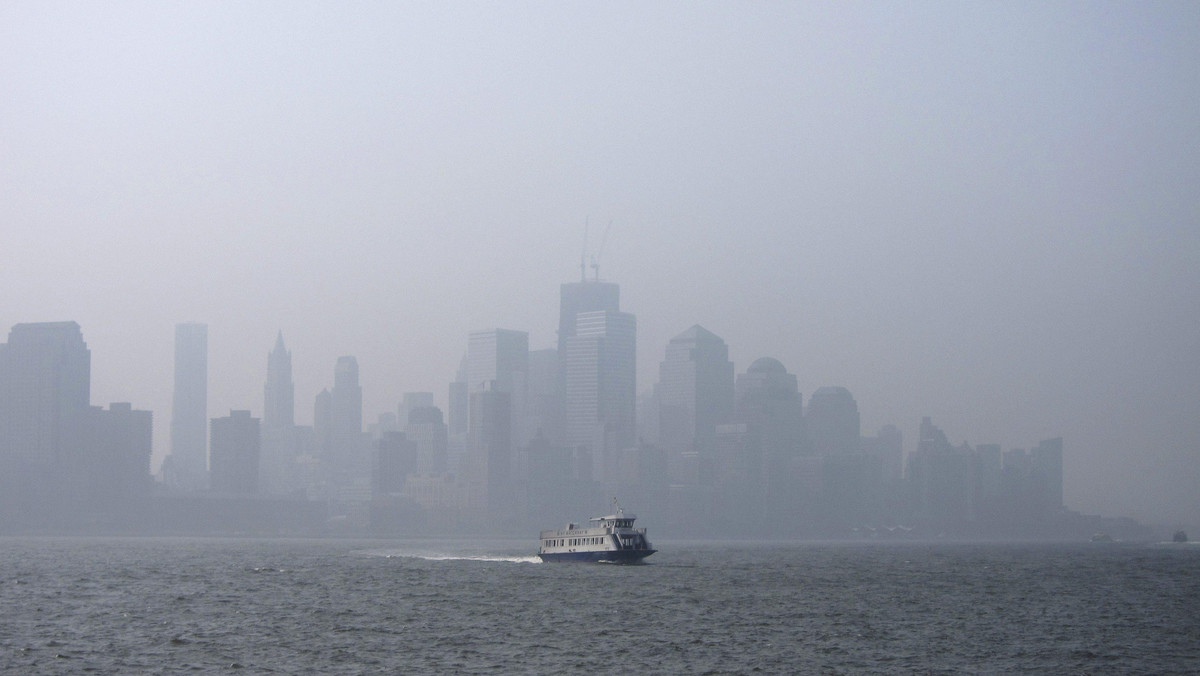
187,465
488,468
323,425
498,359
1046,463
279,406
575,298
695,394
350,452
583,296
832,422
544,401
768,413
45,383
280,441
236,447
410,402
426,429
119,447
600,364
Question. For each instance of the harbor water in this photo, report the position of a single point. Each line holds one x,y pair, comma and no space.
166,605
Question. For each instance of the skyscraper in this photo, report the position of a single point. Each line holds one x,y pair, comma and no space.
410,402
349,450
600,368
236,446
187,464
45,384
832,422
279,407
695,395
498,359
489,476
280,442
583,296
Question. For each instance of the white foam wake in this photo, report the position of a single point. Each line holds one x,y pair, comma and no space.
434,556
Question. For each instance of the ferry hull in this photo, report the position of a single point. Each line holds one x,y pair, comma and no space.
616,556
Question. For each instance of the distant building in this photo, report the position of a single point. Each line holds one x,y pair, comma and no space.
235,454
45,384
695,395
498,359
426,430
488,468
280,441
348,449
544,400
279,407
832,422
583,296
323,425
943,478
600,365
187,464
1047,465
410,402
395,460
768,405
119,445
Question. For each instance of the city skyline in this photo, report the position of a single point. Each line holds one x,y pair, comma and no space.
985,214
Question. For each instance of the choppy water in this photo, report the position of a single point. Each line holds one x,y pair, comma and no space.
197,606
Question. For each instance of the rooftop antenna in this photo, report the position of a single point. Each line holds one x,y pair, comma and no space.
596,256
583,254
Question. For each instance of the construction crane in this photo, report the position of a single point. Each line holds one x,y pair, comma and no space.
596,256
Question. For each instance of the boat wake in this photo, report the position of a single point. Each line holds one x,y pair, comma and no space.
433,556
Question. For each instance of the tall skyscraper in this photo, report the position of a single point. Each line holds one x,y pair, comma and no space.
768,411
187,465
279,406
489,475
600,366
236,447
695,394
583,296
426,429
544,401
832,422
499,356
280,442
410,402
351,453
1046,462
498,359
45,383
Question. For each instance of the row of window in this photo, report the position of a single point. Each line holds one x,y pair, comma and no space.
575,542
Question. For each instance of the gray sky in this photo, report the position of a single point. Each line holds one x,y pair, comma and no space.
983,212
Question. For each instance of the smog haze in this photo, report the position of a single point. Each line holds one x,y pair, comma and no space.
983,213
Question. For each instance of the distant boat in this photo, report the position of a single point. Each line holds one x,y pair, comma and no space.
1102,537
609,539
1179,536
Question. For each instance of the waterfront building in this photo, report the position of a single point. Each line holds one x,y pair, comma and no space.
831,422
235,453
695,394
187,465
600,366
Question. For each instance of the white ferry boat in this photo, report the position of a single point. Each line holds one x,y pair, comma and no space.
608,539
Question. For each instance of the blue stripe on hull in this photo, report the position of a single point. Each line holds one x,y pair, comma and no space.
616,556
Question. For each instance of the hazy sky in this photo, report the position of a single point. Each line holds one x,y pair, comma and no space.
984,212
